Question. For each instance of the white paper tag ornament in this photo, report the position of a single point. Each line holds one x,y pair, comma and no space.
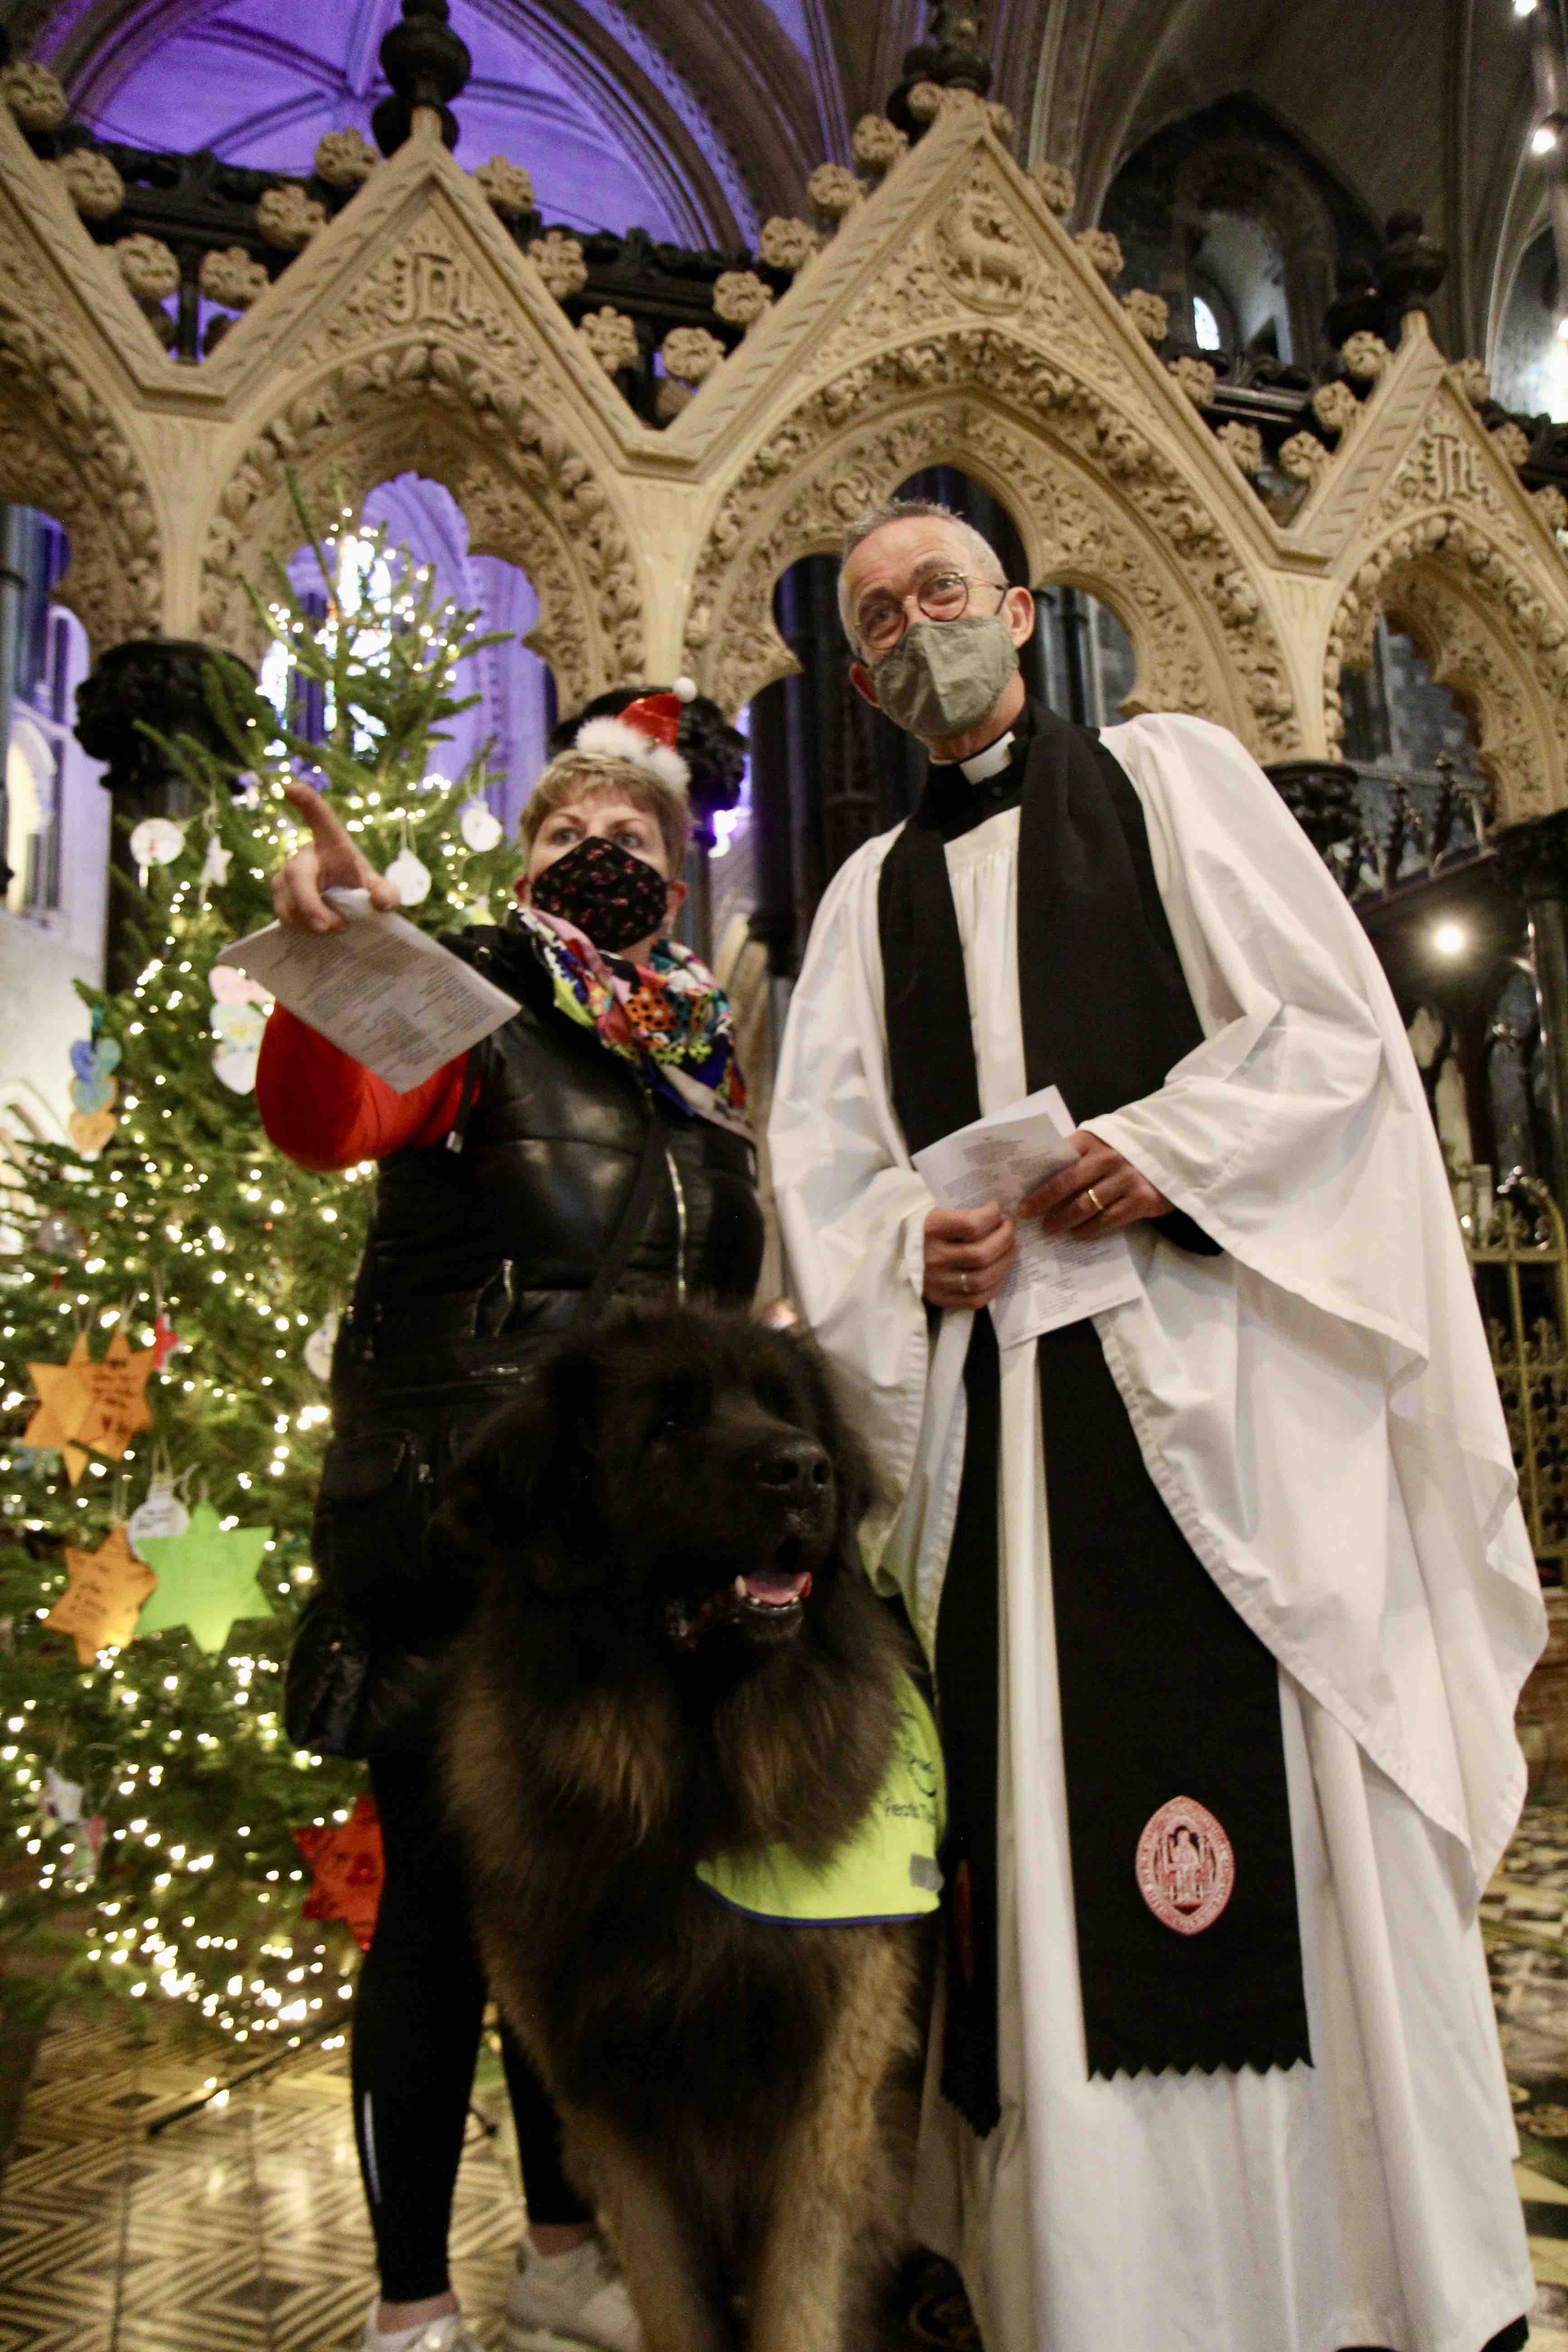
59,1801
409,878
318,1346
160,1513
479,826
240,1029
156,841
216,863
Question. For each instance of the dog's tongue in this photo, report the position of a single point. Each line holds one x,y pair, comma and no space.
777,1586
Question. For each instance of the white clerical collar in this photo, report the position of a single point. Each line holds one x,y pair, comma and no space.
984,765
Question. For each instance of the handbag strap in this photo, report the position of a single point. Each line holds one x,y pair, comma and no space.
629,1231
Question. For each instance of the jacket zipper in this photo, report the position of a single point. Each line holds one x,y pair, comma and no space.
679,1189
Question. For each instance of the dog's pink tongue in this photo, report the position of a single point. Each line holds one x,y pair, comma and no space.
776,1586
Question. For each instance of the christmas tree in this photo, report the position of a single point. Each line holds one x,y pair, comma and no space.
167,1288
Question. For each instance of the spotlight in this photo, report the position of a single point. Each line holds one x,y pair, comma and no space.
1543,139
1524,7
1449,940
1562,326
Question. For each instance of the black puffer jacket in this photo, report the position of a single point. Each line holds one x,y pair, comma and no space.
480,1249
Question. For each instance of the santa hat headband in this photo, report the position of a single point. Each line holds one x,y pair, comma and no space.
643,735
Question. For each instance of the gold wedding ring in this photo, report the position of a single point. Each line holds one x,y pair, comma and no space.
1098,1204
963,1282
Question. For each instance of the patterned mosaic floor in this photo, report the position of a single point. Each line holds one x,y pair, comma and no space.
242,2229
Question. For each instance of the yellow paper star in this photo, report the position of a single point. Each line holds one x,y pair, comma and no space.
118,1387
65,1393
101,1604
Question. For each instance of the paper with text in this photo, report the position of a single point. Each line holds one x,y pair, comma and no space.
381,990
1003,1159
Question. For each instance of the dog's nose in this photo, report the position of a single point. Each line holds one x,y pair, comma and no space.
796,1468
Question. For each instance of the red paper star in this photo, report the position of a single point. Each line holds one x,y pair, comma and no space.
346,1861
166,1340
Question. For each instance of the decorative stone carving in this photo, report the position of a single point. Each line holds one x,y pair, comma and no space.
1472,377
1149,313
787,243
95,187
980,246
878,144
148,267
612,338
1197,378
1303,456
1059,190
1551,507
1336,407
506,187
345,159
1000,118
834,190
559,262
1101,251
1365,355
1243,445
289,219
229,276
740,298
33,96
691,353
671,398
1511,443
925,100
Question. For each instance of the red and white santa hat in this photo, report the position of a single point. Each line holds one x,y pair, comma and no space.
644,734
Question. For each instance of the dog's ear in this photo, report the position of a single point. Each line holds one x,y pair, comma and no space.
520,1500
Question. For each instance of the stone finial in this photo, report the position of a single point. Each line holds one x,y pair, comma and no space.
288,217
1149,313
878,143
93,184
148,267
690,354
1356,309
1335,407
1101,251
787,244
612,338
1365,355
834,190
232,279
426,65
1411,265
951,57
1057,188
1004,128
1551,507
1511,443
559,262
1243,445
1471,378
1196,377
34,97
506,187
740,298
345,159
1303,456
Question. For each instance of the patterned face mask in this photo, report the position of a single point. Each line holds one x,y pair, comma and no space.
614,896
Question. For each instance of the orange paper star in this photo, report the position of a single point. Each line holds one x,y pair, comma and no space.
119,1392
101,1604
65,1392
347,1863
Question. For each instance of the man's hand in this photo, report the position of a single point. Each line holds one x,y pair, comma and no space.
329,862
968,1254
1121,1197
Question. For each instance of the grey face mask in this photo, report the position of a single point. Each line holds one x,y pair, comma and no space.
944,676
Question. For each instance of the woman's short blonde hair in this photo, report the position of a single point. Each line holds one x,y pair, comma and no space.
592,776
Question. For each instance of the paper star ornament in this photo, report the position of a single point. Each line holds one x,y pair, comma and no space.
348,1869
65,1394
101,1604
206,1578
166,1340
119,1391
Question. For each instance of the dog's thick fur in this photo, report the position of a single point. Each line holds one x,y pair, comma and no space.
731,2089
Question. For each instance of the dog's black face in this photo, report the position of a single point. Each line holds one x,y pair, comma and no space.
690,1474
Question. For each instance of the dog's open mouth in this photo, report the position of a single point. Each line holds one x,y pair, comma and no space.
763,1602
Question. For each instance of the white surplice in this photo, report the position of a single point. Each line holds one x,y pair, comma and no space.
1317,1408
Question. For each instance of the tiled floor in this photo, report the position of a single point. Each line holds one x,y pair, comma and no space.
241,2230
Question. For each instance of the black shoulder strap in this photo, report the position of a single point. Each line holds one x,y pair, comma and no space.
629,1231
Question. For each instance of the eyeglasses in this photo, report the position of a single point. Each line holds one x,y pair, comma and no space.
942,596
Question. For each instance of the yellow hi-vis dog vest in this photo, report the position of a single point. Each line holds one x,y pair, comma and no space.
887,1870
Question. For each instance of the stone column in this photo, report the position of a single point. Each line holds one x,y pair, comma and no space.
156,682
1533,860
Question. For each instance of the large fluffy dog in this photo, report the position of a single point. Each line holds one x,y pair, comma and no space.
675,1657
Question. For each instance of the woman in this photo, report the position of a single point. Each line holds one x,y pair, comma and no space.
600,1133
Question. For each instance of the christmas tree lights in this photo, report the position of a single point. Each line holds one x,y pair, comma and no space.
149,1795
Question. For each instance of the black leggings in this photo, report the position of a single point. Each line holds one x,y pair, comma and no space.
417,2021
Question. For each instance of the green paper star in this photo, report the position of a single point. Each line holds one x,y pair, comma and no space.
206,1578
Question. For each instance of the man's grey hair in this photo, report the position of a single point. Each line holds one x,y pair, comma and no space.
982,553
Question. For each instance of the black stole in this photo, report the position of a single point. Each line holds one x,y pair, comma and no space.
1165,1693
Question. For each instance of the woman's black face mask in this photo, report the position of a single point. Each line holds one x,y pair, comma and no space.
616,897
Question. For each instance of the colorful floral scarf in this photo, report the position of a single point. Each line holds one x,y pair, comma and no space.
668,1017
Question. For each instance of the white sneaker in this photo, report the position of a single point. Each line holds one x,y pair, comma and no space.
570,2303
447,2335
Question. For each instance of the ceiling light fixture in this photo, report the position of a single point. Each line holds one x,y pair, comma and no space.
1524,7
1544,139
1448,939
